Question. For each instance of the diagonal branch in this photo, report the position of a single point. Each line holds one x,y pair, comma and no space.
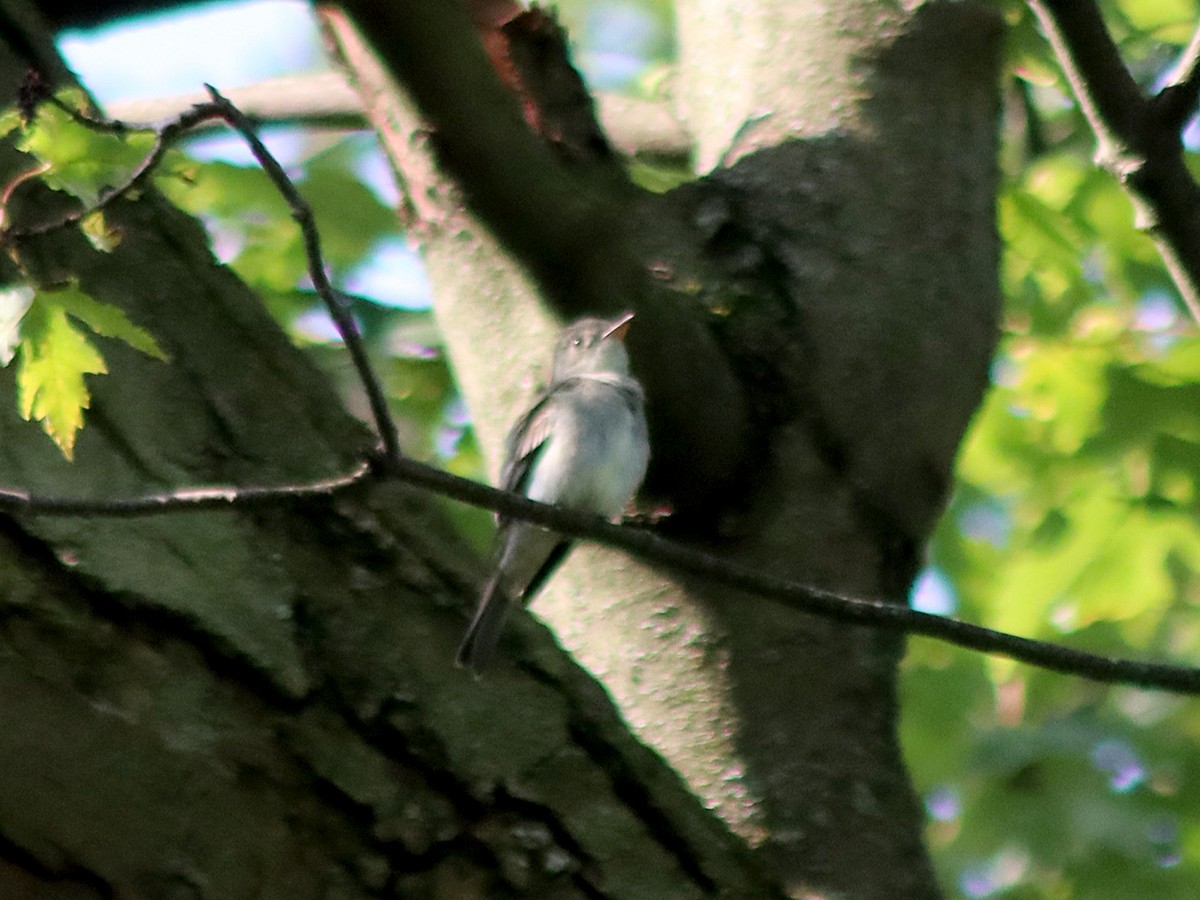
888,615
338,311
562,222
1138,138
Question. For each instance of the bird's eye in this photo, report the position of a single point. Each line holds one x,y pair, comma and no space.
576,342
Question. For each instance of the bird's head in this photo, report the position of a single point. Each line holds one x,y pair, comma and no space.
592,347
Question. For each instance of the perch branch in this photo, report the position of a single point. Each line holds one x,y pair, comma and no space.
19,501
872,613
653,548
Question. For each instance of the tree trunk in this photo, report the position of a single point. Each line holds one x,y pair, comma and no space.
261,702
847,265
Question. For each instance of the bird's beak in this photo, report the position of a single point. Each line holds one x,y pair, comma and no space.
619,327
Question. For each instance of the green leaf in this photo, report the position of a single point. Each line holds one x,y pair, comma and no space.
9,119
1156,15
658,177
55,356
81,162
107,321
99,233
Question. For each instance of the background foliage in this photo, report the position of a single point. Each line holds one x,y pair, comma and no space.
1075,513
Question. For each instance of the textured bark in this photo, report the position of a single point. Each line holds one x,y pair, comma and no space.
847,266
261,702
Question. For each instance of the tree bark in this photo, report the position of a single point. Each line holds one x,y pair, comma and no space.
846,265
261,703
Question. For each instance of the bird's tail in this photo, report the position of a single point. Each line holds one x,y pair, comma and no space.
483,634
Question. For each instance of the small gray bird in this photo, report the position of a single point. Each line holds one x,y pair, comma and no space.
582,445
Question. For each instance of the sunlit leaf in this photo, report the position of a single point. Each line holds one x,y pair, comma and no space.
56,354
99,233
55,357
81,161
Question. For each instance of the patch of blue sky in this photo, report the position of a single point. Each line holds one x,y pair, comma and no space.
933,593
1005,869
986,520
375,172
391,275
178,52
287,145
1120,762
616,44
943,803
226,45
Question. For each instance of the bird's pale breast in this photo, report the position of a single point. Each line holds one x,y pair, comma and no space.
609,461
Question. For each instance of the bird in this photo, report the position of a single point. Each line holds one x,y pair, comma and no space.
583,444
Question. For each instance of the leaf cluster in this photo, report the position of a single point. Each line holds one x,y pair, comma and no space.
1075,519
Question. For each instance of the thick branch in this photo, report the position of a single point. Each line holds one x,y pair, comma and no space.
563,225
327,100
1138,139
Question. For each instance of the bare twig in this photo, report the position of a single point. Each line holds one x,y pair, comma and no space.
165,136
1138,138
342,320
872,613
18,501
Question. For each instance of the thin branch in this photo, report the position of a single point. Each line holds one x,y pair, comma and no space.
165,136
342,320
18,501
872,613
1138,138
807,598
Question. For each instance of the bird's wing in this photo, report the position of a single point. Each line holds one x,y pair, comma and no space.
525,441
